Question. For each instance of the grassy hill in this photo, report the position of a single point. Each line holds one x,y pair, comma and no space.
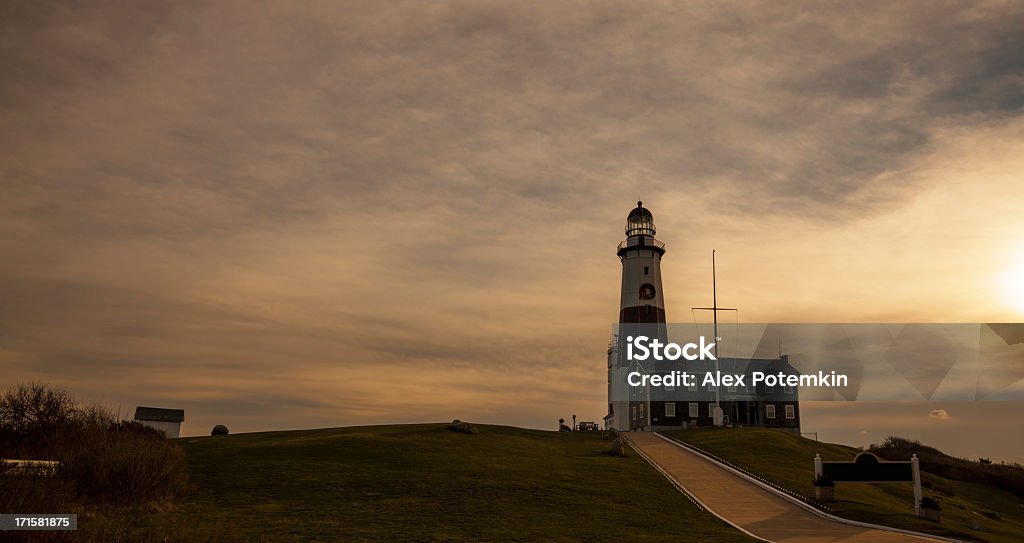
424,483
787,460
1008,477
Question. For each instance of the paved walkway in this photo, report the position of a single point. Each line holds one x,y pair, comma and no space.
749,506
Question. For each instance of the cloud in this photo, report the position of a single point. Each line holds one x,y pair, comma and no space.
940,414
976,430
211,204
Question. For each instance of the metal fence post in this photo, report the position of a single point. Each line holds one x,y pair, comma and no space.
916,469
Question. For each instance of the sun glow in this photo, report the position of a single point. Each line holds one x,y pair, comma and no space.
1013,280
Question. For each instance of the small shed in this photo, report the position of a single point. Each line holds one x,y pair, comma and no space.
166,420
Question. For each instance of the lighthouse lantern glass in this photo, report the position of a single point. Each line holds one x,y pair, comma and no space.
640,225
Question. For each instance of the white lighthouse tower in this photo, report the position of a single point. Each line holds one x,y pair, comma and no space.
641,302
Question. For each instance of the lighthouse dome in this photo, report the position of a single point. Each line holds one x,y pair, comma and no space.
640,221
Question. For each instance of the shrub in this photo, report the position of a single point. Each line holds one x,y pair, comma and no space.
126,463
35,406
35,493
823,481
103,462
32,419
928,502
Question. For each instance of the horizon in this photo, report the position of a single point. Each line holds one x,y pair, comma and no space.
264,217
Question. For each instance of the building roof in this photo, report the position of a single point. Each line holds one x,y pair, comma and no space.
640,222
640,211
157,414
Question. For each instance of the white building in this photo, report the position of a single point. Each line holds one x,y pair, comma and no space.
166,420
618,409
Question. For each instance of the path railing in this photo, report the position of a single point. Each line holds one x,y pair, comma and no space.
806,499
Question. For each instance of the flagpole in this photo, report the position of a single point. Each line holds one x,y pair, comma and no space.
714,311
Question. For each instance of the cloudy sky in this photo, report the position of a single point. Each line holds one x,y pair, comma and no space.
281,215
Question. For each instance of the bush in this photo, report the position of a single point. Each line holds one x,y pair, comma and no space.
219,430
127,463
35,493
103,462
823,481
35,406
32,419
928,502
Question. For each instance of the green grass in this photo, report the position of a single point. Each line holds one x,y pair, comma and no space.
788,460
424,483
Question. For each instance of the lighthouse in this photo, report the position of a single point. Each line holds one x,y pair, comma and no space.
647,406
641,308
641,300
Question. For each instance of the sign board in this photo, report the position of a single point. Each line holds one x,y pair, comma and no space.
867,468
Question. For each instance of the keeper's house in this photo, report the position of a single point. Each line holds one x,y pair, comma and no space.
166,420
761,406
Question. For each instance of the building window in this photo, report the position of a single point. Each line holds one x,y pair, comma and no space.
670,387
645,270
641,411
787,390
769,388
790,412
670,409
712,388
769,411
634,412
693,387
732,388
693,410
711,409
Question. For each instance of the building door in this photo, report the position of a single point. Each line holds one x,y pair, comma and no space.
752,413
